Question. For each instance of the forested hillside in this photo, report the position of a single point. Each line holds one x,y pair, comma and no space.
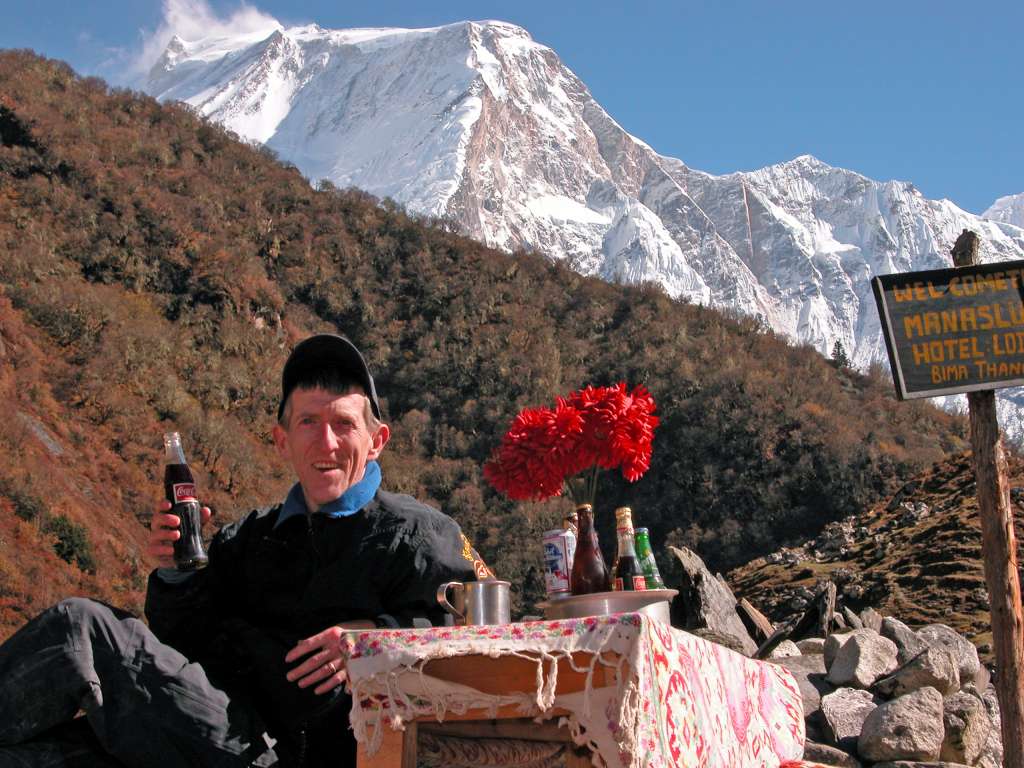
155,271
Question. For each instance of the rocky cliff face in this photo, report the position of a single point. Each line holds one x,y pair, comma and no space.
478,124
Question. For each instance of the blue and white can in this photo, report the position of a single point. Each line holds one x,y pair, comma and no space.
558,556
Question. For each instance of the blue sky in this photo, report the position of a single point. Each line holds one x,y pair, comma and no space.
928,92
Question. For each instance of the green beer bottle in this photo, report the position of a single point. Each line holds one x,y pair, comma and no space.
646,558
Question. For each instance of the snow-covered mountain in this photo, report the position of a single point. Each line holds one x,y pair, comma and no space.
1009,210
477,123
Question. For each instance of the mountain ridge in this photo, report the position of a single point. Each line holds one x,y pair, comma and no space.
492,131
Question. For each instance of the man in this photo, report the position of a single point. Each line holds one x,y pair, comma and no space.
249,645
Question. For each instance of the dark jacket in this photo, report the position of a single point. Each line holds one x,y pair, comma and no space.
266,588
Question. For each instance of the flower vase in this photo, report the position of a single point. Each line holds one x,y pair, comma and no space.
589,572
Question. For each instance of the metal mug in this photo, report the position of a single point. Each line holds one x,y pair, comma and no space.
476,602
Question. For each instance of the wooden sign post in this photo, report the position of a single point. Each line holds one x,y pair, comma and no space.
975,341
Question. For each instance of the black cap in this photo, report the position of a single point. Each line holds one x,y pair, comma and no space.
326,352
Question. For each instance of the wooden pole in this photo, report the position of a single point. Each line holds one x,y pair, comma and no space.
999,550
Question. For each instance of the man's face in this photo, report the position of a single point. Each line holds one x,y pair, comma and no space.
328,442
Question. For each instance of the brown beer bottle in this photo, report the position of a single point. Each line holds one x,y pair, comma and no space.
589,573
628,575
180,488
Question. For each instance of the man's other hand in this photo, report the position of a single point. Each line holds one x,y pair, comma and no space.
163,532
323,663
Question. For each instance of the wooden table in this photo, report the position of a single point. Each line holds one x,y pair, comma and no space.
637,692
498,676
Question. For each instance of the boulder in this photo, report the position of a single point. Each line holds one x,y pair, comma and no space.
864,658
992,755
967,727
966,654
845,711
907,728
936,667
852,619
706,602
784,650
812,646
830,756
918,764
731,642
833,643
756,623
809,672
871,619
908,644
983,678
826,604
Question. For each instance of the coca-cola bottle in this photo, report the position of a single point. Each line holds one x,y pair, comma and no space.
180,488
627,575
589,573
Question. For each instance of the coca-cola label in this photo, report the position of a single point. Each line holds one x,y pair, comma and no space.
639,583
184,492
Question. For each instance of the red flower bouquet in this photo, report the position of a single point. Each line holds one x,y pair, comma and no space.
548,449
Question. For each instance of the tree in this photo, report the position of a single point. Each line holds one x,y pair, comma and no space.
839,356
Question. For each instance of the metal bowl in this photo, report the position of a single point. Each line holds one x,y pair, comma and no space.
653,602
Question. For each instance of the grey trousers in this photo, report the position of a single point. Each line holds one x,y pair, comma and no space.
146,705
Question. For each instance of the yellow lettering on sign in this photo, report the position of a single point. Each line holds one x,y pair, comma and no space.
902,294
968,318
912,324
999,370
949,321
1008,344
945,373
920,352
985,313
1001,322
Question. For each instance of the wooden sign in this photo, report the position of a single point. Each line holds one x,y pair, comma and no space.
953,330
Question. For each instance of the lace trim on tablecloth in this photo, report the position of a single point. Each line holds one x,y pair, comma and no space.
390,687
682,702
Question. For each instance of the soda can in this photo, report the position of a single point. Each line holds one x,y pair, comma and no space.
557,564
570,545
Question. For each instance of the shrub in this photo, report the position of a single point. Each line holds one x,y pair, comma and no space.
72,542
27,505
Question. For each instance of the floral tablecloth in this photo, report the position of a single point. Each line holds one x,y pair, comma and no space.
677,700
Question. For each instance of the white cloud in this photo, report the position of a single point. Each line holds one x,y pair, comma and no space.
194,20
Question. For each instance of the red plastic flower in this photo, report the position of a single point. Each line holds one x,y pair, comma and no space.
594,428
